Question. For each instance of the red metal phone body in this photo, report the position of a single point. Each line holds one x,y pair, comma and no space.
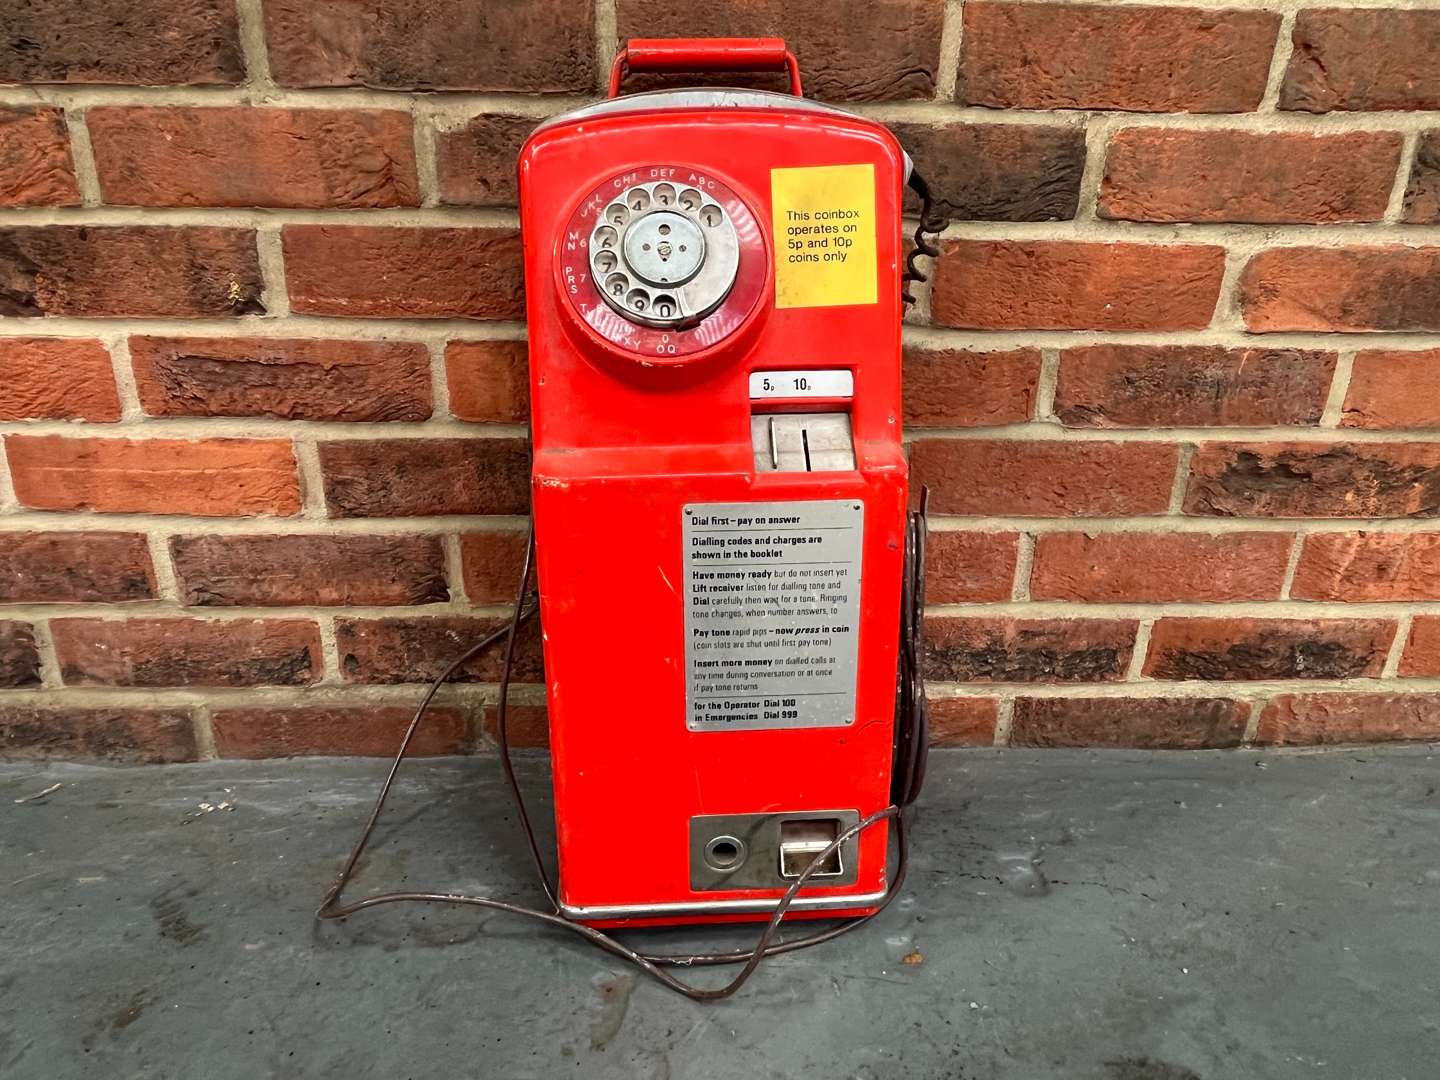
623,439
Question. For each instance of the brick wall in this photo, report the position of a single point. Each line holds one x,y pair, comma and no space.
1175,388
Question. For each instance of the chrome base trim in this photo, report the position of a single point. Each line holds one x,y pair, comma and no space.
720,907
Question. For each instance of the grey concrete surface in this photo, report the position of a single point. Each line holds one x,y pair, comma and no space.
1117,916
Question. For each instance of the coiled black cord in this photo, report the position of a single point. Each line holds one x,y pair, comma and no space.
931,223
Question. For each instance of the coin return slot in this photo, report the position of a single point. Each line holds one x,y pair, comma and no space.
802,841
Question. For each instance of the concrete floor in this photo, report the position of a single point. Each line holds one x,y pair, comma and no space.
1118,916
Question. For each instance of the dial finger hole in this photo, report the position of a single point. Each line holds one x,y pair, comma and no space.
711,215
605,261
665,306
617,215
617,284
638,299
606,236
638,199
690,199
664,195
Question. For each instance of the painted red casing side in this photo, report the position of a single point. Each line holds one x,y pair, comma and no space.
620,446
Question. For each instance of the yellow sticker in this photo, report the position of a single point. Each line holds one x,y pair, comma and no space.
824,228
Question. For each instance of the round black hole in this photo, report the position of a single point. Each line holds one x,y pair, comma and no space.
725,851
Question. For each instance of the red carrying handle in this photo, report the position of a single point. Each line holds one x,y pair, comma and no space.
705,54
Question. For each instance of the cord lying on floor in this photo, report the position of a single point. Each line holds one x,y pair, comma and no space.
526,605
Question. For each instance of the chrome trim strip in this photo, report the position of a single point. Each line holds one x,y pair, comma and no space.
721,907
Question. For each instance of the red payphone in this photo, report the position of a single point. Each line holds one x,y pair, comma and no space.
729,580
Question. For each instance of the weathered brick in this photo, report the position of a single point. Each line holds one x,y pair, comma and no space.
210,477
1422,192
853,50
1125,386
965,649
491,560
541,46
56,379
1146,723
526,726
1350,480
351,730
1351,59
74,567
151,736
1172,174
1317,719
19,659
1232,648
1399,389
249,156
129,270
475,163
136,42
1046,478
960,388
1421,657
422,477
1382,287
304,571
1143,567
962,721
1367,567
488,381
417,650
35,164
282,377
187,652
1072,285
998,172
404,272
969,567
1111,56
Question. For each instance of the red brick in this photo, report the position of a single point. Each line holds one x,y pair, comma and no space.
136,42
249,156
404,272
1398,389
1124,386
1318,719
309,571
959,388
491,561
1348,59
1383,287
417,650
1170,174
209,477
35,164
282,377
129,270
1103,56
187,652
350,730
1146,723
1230,648
1347,480
540,46
526,726
1143,567
151,736
1422,652
19,659
476,162
969,567
56,379
852,50
1422,193
965,649
75,568
425,477
1071,285
1369,567
489,381
962,721
1047,478
997,172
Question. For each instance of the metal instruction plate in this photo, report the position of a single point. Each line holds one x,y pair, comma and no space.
772,612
